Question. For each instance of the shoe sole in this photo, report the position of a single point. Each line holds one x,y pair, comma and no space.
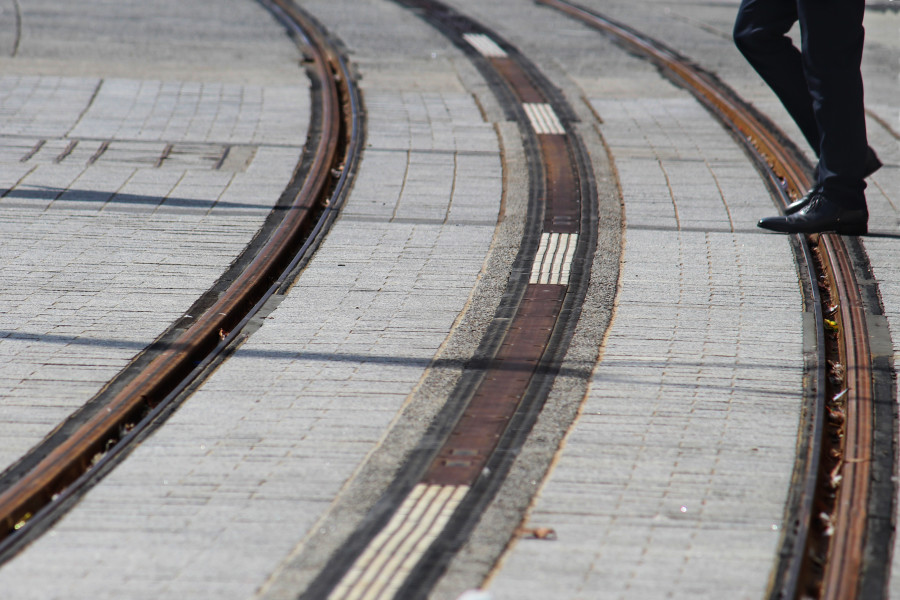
840,230
853,230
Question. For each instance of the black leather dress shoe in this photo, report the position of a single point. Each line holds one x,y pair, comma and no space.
796,205
820,215
873,163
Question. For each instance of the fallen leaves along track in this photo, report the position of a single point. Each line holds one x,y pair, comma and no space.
834,546
36,489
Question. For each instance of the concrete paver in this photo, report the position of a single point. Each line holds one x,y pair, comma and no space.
114,215
261,450
138,154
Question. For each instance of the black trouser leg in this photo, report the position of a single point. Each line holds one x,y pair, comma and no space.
833,35
760,33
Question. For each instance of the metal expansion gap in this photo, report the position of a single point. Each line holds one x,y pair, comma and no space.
403,557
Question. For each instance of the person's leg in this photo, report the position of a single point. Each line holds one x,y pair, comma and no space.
760,33
832,43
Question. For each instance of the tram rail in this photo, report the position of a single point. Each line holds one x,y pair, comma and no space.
39,487
825,550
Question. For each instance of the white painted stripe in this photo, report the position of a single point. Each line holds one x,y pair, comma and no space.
556,266
407,551
547,260
398,533
555,126
541,251
567,260
541,115
485,45
538,264
553,261
430,536
536,123
543,119
359,567
383,567
406,538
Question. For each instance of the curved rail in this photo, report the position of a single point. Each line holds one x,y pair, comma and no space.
845,559
838,491
67,467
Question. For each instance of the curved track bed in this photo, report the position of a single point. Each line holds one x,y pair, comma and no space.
407,540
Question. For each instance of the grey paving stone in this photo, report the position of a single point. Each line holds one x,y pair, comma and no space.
97,255
339,357
259,454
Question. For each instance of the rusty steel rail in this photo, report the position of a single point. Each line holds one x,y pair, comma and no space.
63,469
845,558
841,489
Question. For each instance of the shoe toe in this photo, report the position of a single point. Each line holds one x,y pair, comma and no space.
772,223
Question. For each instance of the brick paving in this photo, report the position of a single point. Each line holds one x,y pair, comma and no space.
260,451
138,160
119,221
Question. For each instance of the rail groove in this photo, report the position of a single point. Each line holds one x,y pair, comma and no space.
825,559
34,494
